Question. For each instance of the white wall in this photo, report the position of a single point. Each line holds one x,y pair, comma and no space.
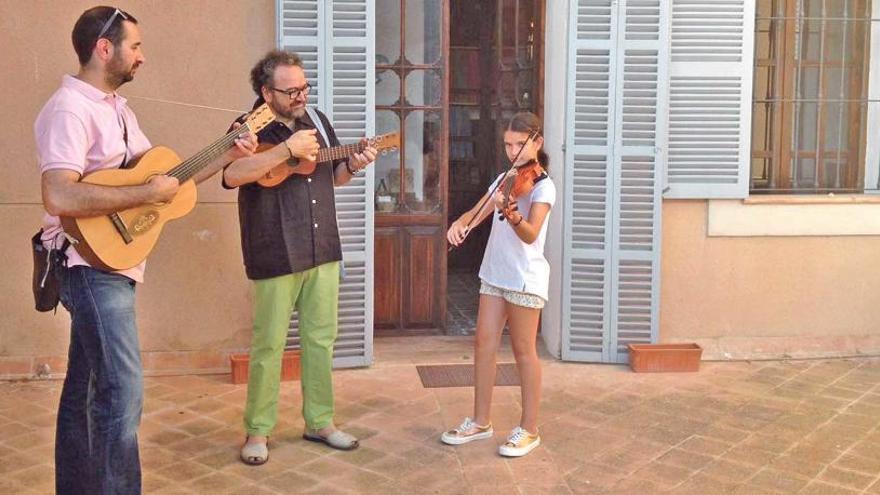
555,56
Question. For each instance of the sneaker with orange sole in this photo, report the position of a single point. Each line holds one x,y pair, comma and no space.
519,443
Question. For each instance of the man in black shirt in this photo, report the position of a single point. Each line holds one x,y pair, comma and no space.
292,252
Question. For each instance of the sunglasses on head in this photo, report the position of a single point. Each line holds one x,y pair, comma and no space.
109,22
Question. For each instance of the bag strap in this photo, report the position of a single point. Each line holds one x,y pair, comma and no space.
62,251
64,246
124,163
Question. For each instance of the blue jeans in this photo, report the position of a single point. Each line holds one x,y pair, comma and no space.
96,446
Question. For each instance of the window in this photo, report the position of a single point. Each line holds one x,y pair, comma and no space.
409,99
810,96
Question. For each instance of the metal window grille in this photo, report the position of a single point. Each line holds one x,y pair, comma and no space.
810,100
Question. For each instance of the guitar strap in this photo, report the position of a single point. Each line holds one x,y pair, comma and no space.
318,124
320,127
125,140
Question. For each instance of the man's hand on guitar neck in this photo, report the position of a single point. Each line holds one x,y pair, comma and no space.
357,162
244,146
360,161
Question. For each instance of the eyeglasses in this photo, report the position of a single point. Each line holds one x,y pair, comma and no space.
295,92
109,22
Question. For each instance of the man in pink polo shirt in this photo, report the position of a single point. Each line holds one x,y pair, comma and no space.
85,126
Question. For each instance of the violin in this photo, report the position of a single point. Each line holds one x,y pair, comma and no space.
519,182
530,175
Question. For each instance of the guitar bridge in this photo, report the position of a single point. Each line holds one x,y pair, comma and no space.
120,227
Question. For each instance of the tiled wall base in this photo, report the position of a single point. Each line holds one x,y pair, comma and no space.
155,364
756,348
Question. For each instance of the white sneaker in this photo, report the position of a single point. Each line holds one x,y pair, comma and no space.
519,443
467,431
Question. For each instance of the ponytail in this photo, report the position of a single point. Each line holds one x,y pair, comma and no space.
543,159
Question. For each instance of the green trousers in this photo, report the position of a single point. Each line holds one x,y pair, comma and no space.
315,295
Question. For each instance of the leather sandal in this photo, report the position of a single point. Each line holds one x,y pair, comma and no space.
338,440
254,453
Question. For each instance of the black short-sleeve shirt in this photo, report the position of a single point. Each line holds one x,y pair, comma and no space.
291,227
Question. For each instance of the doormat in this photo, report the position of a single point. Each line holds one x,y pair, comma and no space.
462,375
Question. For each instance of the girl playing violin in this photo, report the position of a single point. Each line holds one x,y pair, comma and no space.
514,283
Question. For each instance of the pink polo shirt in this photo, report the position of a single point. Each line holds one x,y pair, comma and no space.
81,129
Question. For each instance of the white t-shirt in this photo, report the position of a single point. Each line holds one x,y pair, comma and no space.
510,263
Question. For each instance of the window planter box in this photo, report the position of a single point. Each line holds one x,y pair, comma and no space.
289,367
659,358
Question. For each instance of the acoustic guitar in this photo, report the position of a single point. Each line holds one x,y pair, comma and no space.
124,239
278,173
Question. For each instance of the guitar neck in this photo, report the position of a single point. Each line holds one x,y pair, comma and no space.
339,152
194,164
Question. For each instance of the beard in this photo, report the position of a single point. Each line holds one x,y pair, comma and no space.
286,112
118,73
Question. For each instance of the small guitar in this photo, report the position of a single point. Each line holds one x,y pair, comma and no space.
124,239
280,172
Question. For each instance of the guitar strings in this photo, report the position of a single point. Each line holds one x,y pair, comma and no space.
192,165
189,167
343,153
185,170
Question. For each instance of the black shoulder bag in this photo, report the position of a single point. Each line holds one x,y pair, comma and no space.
48,262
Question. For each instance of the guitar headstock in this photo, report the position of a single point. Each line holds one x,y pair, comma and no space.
385,142
259,118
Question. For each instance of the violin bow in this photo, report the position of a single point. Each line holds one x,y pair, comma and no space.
467,228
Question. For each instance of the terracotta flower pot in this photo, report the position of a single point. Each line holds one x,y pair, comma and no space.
290,367
658,358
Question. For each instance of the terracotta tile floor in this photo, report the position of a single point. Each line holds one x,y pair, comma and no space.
462,302
810,427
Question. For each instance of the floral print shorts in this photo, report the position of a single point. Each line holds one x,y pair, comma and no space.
523,299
